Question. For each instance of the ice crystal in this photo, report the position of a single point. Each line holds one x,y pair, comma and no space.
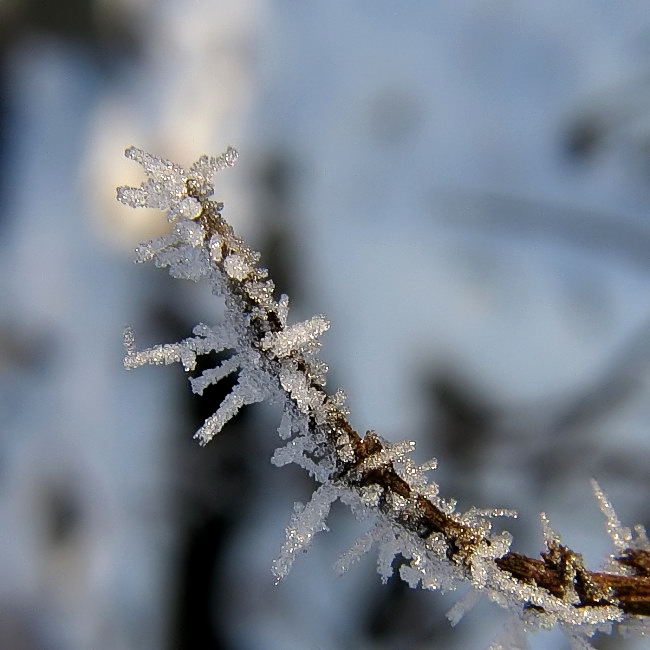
362,546
462,606
621,536
302,336
166,186
305,523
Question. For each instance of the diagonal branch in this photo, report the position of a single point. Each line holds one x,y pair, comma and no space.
278,361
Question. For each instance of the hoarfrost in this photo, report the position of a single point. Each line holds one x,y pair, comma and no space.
215,244
621,536
164,188
237,267
297,451
305,396
214,375
416,531
189,232
148,250
422,563
187,208
301,337
462,606
306,521
283,309
247,390
158,354
388,454
551,538
286,428
355,552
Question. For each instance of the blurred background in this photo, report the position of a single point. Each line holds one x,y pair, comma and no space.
461,187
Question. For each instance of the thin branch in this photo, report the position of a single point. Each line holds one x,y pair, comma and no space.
278,361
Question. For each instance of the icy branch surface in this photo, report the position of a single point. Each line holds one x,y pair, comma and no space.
277,361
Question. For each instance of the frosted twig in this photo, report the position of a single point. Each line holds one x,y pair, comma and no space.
277,361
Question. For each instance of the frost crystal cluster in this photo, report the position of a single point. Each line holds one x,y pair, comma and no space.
277,361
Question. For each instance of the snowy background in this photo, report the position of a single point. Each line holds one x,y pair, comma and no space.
461,187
